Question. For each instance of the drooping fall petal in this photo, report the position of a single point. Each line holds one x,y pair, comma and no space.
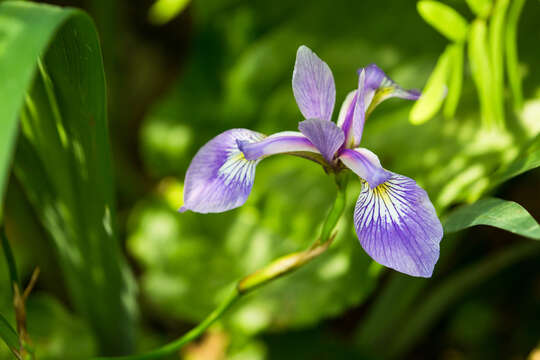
219,177
398,227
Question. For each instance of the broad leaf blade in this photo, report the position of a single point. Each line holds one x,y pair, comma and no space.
63,159
25,44
499,213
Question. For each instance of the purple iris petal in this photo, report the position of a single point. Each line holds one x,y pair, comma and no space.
313,85
346,109
345,118
325,135
373,88
219,177
279,143
377,81
398,226
365,164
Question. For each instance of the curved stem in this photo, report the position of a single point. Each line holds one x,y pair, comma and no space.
194,333
272,271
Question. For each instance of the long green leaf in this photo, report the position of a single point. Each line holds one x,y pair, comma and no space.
8,334
444,19
496,47
512,63
481,69
10,260
499,213
16,71
63,158
455,82
434,92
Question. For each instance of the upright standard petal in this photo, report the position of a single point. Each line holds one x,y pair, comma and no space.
378,87
373,88
398,226
313,85
347,108
325,135
365,164
279,143
219,177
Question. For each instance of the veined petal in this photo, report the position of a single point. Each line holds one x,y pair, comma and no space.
325,135
398,226
379,87
365,164
279,143
373,88
347,108
219,177
313,85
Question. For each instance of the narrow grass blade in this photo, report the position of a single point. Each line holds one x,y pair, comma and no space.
512,63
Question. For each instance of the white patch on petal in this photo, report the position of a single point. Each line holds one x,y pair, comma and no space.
398,227
236,168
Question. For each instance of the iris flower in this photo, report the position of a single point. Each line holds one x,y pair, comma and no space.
394,219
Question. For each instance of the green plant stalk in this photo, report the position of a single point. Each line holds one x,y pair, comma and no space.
276,269
10,259
496,47
512,64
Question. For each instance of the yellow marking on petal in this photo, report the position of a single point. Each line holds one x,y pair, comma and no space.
381,191
380,95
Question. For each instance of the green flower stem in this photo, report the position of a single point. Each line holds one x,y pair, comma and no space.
274,270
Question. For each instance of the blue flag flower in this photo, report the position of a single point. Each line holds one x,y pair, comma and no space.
394,219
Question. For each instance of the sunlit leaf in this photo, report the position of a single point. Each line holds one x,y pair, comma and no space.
455,81
502,214
497,28
434,92
480,7
481,70
527,159
163,11
512,63
444,19
63,159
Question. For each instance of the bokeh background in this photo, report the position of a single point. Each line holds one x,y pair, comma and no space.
178,77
